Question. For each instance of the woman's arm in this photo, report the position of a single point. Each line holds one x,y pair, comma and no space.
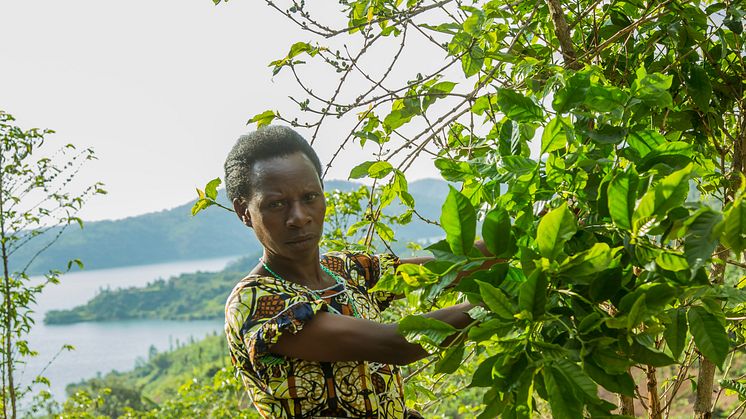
329,338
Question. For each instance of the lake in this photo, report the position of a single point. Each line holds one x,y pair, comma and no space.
104,346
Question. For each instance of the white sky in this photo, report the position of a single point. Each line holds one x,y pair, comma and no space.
160,89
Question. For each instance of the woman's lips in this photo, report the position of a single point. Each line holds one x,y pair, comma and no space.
301,241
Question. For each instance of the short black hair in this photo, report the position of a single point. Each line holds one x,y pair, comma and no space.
263,144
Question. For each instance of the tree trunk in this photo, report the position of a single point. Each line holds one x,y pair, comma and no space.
8,343
705,379
654,404
627,404
9,393
706,376
562,31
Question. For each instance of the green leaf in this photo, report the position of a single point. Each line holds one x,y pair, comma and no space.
658,296
675,332
402,111
494,406
361,170
472,61
415,275
702,237
459,220
622,195
605,99
734,230
437,91
667,194
532,296
482,376
649,356
380,169
645,141
426,331
610,360
76,262
495,300
607,134
555,228
211,189
636,313
672,261
496,232
262,119
488,329
675,154
299,48
554,136
587,263
518,165
606,284
573,93
709,335
575,375
652,88
384,231
474,24
563,403
699,87
615,383
451,360
518,107
200,205
738,387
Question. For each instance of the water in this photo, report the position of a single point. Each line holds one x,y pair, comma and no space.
104,346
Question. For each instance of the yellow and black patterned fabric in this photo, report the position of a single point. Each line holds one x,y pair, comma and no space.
260,309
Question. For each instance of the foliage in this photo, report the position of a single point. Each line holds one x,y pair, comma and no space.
37,203
600,143
191,381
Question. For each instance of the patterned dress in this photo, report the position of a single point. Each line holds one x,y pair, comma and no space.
260,309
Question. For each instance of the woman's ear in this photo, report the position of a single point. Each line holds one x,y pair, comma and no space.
242,211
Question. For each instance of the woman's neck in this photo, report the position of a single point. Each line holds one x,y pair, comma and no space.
306,271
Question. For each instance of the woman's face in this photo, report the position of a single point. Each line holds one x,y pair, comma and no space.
287,206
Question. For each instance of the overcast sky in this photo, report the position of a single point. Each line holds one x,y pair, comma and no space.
160,89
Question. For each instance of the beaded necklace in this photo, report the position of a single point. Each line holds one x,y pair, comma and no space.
317,295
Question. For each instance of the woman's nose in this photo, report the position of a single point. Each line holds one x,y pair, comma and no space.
298,215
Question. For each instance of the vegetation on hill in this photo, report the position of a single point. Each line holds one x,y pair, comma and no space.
192,381
150,238
190,296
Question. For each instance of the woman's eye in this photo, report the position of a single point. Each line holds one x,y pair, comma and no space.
311,196
277,204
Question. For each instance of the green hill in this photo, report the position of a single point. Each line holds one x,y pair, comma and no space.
192,296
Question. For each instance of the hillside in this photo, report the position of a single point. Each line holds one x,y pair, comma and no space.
194,380
173,234
190,296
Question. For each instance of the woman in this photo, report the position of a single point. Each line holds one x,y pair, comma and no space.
304,333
